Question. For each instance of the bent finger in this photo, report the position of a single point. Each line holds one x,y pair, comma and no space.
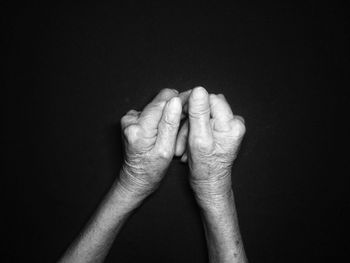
129,118
152,113
221,112
184,157
168,127
181,140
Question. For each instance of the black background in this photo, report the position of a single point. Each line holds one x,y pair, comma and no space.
72,71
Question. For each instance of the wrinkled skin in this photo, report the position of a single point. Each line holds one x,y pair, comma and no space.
209,139
149,139
214,135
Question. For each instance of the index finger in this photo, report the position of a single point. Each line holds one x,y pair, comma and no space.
184,96
221,112
152,113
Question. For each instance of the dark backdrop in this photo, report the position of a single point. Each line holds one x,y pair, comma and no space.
72,71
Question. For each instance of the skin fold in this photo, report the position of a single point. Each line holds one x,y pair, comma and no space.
208,141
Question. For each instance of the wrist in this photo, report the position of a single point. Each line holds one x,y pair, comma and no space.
212,192
134,184
218,202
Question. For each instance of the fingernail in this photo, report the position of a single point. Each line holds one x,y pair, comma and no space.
199,93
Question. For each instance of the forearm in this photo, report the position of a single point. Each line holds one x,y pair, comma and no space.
94,242
221,229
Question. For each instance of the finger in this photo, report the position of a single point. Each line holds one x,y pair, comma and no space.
240,118
129,118
184,157
181,140
168,127
199,113
165,95
133,112
152,113
221,112
184,96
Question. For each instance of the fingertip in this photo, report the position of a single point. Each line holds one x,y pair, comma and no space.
199,93
212,97
184,157
181,139
198,101
185,93
179,149
184,96
166,94
172,111
199,112
175,104
168,90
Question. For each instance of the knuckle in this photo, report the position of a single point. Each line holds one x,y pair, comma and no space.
132,133
198,113
124,119
201,144
168,122
239,128
165,154
128,117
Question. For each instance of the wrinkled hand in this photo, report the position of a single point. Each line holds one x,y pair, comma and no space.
149,142
213,136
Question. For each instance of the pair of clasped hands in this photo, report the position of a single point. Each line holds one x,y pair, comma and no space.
208,140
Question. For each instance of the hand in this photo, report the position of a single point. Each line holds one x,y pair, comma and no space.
214,135
149,140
